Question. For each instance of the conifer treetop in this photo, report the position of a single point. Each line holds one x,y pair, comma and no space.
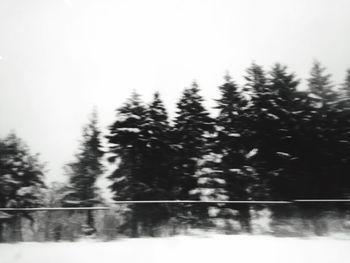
319,82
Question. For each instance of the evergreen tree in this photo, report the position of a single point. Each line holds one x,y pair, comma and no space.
285,113
233,144
256,121
319,149
278,132
346,84
192,128
158,154
279,112
156,168
84,171
255,82
322,137
340,141
343,99
344,135
21,181
319,84
128,146
22,175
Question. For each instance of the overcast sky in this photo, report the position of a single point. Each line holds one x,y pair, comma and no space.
59,58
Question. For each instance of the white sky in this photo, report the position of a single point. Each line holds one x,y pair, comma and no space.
59,58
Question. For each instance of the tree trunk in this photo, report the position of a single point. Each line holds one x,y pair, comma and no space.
15,228
245,218
134,227
48,226
1,232
311,215
90,220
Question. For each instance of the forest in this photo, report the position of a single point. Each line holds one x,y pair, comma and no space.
266,140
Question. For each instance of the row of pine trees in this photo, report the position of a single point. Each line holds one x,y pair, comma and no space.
269,140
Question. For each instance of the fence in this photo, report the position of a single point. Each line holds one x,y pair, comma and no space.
166,218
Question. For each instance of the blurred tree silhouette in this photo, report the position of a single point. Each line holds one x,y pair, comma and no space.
21,181
84,171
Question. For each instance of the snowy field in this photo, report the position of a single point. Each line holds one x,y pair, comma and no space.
180,249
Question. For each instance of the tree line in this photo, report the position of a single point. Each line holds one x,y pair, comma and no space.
269,140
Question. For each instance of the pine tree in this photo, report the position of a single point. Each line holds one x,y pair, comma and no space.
157,161
285,112
346,84
318,145
128,146
85,170
255,81
277,109
343,99
192,127
233,144
21,181
337,139
320,84
322,158
279,113
211,177
22,175
158,155
260,101
344,135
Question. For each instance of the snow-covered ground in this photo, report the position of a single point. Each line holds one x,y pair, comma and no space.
181,249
